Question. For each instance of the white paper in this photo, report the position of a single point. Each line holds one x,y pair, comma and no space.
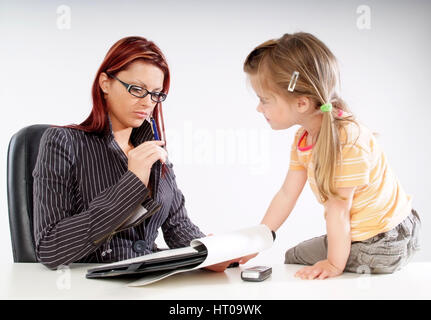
221,247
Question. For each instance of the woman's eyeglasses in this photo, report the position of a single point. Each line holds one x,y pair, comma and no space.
139,92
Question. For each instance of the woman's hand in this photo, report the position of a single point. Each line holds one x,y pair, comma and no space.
246,258
142,158
320,270
220,267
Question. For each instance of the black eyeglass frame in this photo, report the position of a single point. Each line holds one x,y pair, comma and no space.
129,86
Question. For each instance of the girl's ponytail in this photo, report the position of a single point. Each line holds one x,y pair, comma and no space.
325,153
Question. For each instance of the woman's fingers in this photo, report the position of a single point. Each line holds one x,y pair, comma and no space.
148,152
142,158
157,155
146,146
149,144
219,267
246,258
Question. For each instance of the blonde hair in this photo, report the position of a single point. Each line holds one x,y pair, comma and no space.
274,61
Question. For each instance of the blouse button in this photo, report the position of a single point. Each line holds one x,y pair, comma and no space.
139,246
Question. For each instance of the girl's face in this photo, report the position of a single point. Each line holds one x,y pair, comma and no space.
126,110
279,111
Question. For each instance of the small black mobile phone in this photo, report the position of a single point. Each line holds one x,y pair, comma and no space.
258,273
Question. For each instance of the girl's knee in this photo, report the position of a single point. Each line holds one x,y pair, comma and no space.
289,257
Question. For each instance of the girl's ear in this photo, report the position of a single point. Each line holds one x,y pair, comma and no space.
104,82
303,104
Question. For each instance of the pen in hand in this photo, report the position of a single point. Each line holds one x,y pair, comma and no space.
154,128
155,132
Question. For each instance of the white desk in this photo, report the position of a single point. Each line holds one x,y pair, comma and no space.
34,281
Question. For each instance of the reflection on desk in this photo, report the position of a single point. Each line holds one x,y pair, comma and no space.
34,281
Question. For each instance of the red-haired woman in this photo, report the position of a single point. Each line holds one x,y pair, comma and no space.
103,188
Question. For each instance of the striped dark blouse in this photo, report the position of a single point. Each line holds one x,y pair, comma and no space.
84,194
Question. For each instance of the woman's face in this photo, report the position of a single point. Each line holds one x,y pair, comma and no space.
278,111
126,110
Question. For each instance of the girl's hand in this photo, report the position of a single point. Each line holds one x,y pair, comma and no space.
320,270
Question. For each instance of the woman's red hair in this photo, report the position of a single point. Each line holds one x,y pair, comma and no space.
119,57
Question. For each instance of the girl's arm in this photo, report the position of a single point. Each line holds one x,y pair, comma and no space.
285,199
337,215
283,202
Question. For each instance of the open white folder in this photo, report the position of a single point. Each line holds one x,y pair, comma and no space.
202,252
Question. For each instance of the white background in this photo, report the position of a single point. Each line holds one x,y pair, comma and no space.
47,73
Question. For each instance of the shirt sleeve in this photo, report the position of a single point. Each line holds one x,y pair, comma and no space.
178,230
353,168
63,232
294,159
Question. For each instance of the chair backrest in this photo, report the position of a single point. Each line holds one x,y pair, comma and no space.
21,159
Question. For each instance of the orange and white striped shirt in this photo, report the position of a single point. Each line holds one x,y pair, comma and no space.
379,202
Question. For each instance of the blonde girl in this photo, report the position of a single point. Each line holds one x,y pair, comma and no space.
371,226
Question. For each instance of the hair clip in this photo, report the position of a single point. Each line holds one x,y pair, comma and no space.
293,80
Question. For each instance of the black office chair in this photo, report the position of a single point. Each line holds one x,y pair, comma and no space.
21,159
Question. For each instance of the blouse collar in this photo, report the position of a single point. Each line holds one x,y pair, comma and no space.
139,135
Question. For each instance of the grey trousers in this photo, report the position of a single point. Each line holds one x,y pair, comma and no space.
384,253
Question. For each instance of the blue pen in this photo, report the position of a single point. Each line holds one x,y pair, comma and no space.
155,132
154,127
